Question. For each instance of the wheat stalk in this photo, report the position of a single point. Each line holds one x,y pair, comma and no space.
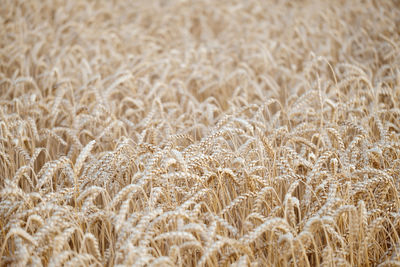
184,133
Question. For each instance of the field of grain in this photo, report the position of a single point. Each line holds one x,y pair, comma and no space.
199,133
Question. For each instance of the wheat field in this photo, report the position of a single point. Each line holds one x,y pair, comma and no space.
199,133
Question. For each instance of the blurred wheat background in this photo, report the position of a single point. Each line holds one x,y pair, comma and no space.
199,133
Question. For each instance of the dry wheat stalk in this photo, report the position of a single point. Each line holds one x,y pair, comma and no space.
183,133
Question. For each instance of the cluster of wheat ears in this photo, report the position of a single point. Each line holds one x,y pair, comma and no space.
199,133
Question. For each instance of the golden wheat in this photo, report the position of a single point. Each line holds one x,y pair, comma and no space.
199,133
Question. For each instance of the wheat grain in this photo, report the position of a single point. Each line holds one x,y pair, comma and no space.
82,156
162,261
184,133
